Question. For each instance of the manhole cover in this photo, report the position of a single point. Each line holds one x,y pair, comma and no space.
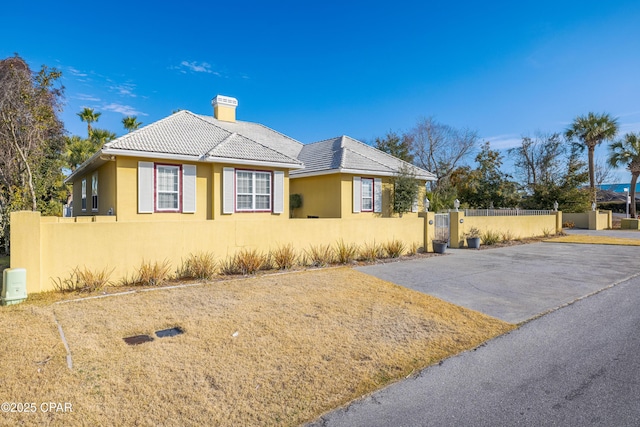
137,339
172,332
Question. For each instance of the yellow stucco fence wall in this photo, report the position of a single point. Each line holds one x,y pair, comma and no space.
592,220
50,247
520,226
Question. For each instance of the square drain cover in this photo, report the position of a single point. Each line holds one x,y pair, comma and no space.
137,339
172,332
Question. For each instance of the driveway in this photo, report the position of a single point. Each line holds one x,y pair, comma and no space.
577,366
515,283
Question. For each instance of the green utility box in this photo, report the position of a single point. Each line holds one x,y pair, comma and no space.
14,286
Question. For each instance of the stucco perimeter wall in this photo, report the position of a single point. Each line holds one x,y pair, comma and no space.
580,220
516,226
50,247
592,220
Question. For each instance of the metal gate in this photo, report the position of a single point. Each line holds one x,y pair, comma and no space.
442,227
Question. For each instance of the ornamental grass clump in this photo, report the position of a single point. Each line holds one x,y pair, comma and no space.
84,280
247,261
414,248
283,257
319,255
345,252
369,252
394,248
153,274
201,266
490,237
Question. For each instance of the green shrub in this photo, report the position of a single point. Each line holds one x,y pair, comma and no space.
394,248
345,252
201,266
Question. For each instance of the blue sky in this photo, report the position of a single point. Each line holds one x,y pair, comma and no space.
314,70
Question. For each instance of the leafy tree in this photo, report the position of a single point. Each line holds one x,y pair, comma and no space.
89,116
396,145
626,152
406,189
566,188
487,187
592,130
31,141
131,123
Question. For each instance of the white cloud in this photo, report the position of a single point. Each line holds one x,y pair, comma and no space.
124,89
126,110
500,142
76,73
196,67
86,97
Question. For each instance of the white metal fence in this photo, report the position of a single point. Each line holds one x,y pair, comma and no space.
503,212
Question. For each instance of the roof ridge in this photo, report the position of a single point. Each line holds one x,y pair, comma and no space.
226,138
273,130
403,162
129,135
235,134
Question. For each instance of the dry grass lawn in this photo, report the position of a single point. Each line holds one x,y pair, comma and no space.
272,350
595,240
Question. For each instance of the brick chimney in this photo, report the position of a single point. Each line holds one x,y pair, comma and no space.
224,108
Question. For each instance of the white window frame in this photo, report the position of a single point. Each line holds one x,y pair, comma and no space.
367,182
253,193
83,198
94,192
157,192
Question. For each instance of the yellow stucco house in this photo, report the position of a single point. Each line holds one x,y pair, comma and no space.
196,167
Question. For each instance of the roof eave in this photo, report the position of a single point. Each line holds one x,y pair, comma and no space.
248,162
355,172
83,167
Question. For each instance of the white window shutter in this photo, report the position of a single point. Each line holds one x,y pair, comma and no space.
357,194
278,192
188,188
228,190
145,187
414,206
377,195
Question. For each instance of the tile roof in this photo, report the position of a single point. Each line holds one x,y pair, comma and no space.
205,138
345,153
185,133
257,132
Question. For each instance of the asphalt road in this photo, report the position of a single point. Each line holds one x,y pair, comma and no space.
577,366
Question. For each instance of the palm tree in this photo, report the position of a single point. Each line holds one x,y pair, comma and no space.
89,116
78,151
591,130
626,152
99,137
131,123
